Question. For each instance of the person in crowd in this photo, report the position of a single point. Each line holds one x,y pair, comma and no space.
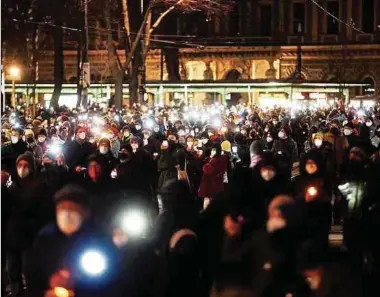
32,144
213,175
79,150
104,152
151,144
42,139
18,145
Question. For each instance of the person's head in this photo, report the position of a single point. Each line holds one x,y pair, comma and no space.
95,168
318,139
135,143
226,146
25,165
189,142
177,124
126,132
284,133
29,136
138,126
172,138
42,135
104,145
216,150
81,134
124,155
311,167
334,128
156,128
15,136
146,133
60,160
72,208
368,122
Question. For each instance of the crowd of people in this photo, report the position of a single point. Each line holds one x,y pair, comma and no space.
190,201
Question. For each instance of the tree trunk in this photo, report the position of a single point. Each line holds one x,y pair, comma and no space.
58,54
114,61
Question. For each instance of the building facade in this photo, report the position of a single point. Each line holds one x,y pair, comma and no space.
260,39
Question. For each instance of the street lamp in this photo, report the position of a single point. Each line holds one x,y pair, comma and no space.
14,72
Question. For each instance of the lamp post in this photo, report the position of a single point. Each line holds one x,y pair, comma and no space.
14,72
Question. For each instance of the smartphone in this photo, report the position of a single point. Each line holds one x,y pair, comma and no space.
155,154
234,149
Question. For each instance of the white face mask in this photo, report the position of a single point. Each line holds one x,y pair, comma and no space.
156,129
275,123
213,153
281,135
368,124
266,129
189,144
82,135
103,149
23,172
14,139
134,146
274,224
204,141
146,136
138,127
269,139
267,174
347,132
68,222
318,142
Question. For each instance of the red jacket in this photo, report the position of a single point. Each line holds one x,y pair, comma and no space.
213,176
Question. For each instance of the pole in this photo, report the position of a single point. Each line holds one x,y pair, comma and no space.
162,65
85,56
13,93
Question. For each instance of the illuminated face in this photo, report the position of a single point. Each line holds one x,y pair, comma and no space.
267,173
94,170
23,168
69,217
311,167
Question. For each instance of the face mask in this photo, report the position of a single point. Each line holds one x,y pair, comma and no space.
146,135
274,224
69,222
243,132
204,141
134,146
347,132
189,144
82,135
103,149
281,135
213,153
266,129
334,130
138,127
269,139
275,123
181,133
41,139
187,131
311,168
318,142
123,156
267,174
368,124
14,139
30,140
156,129
23,172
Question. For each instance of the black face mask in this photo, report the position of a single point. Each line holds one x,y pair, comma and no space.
334,130
124,156
30,140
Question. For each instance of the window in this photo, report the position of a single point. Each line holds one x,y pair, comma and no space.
368,11
332,24
298,18
266,20
234,21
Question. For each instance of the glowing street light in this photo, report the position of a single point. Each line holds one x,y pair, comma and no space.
14,72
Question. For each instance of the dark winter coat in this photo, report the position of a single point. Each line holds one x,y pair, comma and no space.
77,154
61,252
213,176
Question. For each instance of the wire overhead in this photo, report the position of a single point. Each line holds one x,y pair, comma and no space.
336,18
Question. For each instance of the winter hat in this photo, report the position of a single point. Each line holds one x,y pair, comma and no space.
29,132
104,140
226,146
28,157
72,193
79,130
256,147
126,128
42,132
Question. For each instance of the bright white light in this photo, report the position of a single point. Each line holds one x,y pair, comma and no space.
55,149
237,129
17,125
117,118
312,191
93,262
14,71
134,223
361,113
217,123
96,130
149,123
